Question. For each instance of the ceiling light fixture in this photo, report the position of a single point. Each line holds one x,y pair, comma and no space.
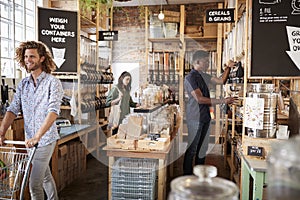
161,15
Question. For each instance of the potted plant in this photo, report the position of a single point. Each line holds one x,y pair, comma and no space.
89,7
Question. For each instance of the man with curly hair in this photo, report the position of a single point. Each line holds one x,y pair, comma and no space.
38,97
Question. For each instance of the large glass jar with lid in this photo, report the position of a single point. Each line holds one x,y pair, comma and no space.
205,185
284,170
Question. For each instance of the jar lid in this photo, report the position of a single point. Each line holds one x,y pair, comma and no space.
205,185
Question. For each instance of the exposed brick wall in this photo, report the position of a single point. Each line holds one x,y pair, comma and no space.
130,22
196,12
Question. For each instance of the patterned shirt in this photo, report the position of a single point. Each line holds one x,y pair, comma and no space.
35,102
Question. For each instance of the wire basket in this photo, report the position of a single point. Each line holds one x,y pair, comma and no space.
134,179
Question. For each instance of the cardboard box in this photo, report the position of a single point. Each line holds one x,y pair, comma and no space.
210,30
145,143
171,13
171,19
134,127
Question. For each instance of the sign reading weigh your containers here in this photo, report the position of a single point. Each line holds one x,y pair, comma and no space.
275,49
220,15
58,30
108,35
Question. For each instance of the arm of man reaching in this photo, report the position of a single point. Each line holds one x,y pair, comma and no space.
49,120
224,77
6,122
197,94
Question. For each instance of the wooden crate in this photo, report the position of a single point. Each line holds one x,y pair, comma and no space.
210,30
145,144
171,16
171,13
114,142
171,19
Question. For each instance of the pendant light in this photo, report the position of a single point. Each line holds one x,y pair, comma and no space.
161,15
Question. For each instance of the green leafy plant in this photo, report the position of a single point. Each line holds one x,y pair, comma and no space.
88,6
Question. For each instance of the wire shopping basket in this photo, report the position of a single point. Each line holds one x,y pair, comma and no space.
14,169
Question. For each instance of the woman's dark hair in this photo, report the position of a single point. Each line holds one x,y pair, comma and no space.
120,80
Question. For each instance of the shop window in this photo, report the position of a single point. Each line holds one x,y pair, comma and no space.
16,25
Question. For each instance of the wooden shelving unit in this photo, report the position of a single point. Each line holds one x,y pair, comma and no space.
91,82
237,43
180,46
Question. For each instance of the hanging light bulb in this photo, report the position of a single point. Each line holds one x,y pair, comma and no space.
161,15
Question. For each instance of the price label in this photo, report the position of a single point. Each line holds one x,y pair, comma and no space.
255,151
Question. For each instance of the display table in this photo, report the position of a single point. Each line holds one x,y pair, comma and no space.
257,169
161,156
67,134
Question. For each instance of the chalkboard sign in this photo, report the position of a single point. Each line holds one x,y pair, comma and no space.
108,35
255,151
275,38
219,15
58,30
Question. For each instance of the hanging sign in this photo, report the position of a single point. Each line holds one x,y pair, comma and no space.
220,15
275,38
58,30
108,35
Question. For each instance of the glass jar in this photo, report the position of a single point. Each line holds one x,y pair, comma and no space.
205,185
284,165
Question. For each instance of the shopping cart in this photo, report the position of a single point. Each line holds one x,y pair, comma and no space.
14,169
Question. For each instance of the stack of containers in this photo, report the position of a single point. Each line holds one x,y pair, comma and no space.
133,179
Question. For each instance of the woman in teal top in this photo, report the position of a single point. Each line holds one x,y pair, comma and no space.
121,92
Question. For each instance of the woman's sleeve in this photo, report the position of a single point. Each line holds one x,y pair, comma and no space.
112,95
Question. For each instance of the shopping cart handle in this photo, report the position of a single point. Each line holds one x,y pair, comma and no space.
18,142
14,142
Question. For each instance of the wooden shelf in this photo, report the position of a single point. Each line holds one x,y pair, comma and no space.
163,39
189,38
88,25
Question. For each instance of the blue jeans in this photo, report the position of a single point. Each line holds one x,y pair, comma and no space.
198,139
41,178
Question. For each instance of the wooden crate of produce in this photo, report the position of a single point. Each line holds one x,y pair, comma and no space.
145,143
114,142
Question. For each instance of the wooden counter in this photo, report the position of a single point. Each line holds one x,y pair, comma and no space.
165,161
16,130
257,169
67,134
